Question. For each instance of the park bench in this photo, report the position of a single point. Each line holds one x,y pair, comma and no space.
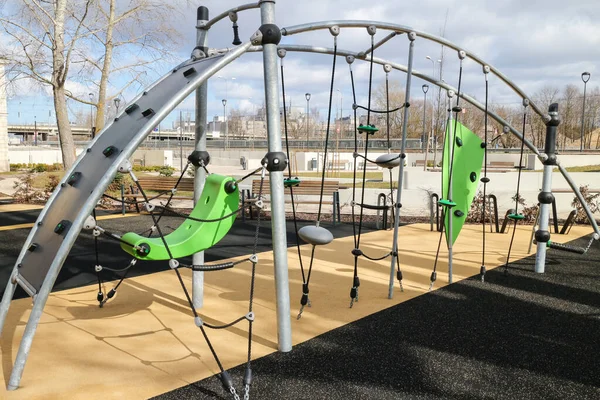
160,184
308,190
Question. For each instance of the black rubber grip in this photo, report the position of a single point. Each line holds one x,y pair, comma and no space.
566,247
372,207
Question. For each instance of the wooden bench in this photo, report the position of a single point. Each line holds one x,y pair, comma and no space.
310,188
160,184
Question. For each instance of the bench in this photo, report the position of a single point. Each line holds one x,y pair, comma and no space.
161,184
306,188
337,165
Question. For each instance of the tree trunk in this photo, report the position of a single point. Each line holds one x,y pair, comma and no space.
67,145
108,54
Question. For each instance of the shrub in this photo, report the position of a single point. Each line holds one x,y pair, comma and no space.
166,171
25,192
592,203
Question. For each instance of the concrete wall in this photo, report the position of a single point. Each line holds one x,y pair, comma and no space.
4,164
154,157
45,155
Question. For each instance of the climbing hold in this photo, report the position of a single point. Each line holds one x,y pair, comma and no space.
315,235
368,129
459,213
485,179
109,151
447,203
388,160
516,216
33,246
73,178
62,226
148,112
291,182
459,142
473,176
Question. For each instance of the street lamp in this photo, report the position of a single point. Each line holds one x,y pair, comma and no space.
307,95
91,115
585,77
117,102
224,101
425,88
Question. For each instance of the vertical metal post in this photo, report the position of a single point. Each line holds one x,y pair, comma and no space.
585,77
411,36
200,144
451,158
542,235
278,225
9,291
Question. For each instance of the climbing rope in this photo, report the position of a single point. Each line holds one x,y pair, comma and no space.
516,217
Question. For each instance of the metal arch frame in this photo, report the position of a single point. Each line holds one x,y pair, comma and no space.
225,14
464,96
296,29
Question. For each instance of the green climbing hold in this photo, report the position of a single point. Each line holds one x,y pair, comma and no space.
192,236
466,168
516,216
447,203
291,182
369,129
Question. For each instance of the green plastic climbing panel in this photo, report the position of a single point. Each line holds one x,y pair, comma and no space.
193,236
468,157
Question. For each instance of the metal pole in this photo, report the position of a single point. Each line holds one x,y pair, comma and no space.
450,158
180,140
278,225
200,144
425,89
542,235
585,77
411,36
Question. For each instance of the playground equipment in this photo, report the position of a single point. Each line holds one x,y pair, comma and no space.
70,206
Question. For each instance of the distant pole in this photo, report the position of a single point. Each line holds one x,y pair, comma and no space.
180,140
91,115
226,132
307,96
425,89
585,77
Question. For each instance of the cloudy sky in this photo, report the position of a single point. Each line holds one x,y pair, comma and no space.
534,43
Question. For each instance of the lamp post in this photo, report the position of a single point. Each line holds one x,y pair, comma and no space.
425,137
117,102
91,115
307,96
433,133
585,77
224,101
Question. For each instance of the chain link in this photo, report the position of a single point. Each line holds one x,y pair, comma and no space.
589,244
234,393
247,392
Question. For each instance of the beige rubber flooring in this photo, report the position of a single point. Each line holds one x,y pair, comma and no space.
144,342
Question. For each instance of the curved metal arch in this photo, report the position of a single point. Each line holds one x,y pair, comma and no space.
466,97
293,30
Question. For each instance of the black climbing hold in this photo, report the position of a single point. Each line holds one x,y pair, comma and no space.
143,250
33,247
485,179
433,276
148,113
353,293
198,158
230,187
457,109
483,145
109,151
189,72
62,226
111,294
100,297
356,282
459,142
131,108
458,213
74,178
473,176
399,275
357,252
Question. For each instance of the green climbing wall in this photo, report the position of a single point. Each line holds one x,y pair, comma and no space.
467,162
193,236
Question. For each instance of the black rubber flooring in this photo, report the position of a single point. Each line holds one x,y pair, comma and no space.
519,336
78,269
